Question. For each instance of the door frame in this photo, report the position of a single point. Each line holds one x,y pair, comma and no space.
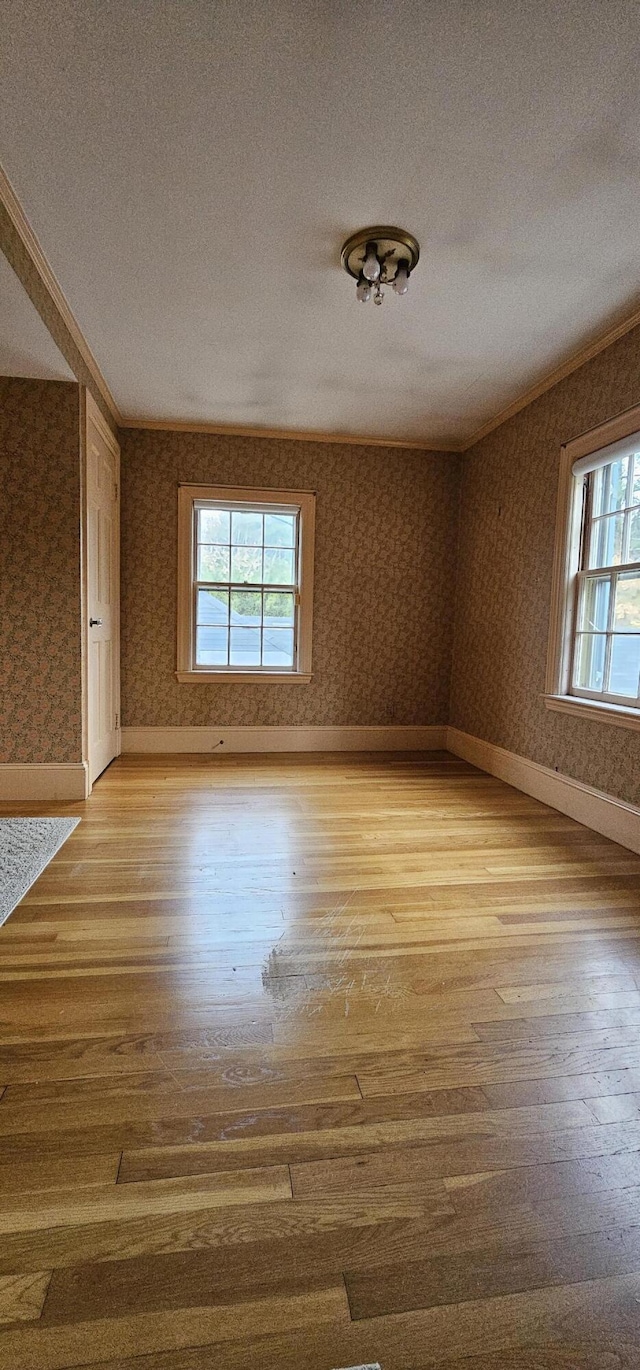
89,412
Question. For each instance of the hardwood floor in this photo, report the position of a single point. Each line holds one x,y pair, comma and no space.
313,1061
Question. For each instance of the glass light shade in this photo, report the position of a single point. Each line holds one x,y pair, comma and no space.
363,290
401,279
371,265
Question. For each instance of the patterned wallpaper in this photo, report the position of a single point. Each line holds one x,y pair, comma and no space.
384,573
507,527
40,685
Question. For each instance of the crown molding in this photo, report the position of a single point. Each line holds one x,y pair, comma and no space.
572,363
24,253
286,434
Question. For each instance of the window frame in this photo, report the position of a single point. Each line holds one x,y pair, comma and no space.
573,526
190,499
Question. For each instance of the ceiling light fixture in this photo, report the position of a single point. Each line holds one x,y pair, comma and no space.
380,256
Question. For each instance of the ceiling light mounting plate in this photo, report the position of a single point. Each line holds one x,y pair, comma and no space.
380,255
393,243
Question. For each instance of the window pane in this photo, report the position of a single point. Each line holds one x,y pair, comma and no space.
610,487
278,647
606,541
618,479
245,647
279,530
594,608
246,608
590,659
278,610
635,498
213,563
214,525
597,500
246,528
212,646
246,565
278,566
212,606
626,614
634,536
625,665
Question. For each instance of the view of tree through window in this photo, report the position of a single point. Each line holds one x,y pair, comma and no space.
245,588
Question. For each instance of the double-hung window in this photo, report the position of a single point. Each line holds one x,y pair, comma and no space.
606,662
595,646
245,584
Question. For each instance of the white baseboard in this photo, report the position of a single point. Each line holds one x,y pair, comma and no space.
611,817
46,783
295,739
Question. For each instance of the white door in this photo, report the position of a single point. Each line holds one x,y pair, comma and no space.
103,593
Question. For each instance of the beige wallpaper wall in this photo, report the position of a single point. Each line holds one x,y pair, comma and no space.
40,683
385,557
507,525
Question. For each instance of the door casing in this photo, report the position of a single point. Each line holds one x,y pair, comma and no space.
91,417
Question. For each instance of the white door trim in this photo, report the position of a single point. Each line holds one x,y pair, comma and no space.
90,411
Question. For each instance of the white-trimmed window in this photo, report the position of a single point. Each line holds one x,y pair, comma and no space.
245,584
594,657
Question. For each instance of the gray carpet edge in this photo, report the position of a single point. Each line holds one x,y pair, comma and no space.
27,845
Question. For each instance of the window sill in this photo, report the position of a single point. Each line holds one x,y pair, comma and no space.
593,709
242,678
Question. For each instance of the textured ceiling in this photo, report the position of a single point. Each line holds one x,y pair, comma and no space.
26,346
191,169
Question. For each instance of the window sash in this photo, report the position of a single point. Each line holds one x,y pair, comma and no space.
623,515
257,587
590,450
261,589
605,456
584,480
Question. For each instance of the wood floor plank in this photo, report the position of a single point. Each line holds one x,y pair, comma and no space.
22,1296
555,1025
111,1054
496,1270
603,984
140,1105
247,1228
50,1171
521,1172
595,1084
535,1183
613,1108
501,1062
66,1208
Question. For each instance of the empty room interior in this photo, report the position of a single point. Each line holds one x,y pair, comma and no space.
319,685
